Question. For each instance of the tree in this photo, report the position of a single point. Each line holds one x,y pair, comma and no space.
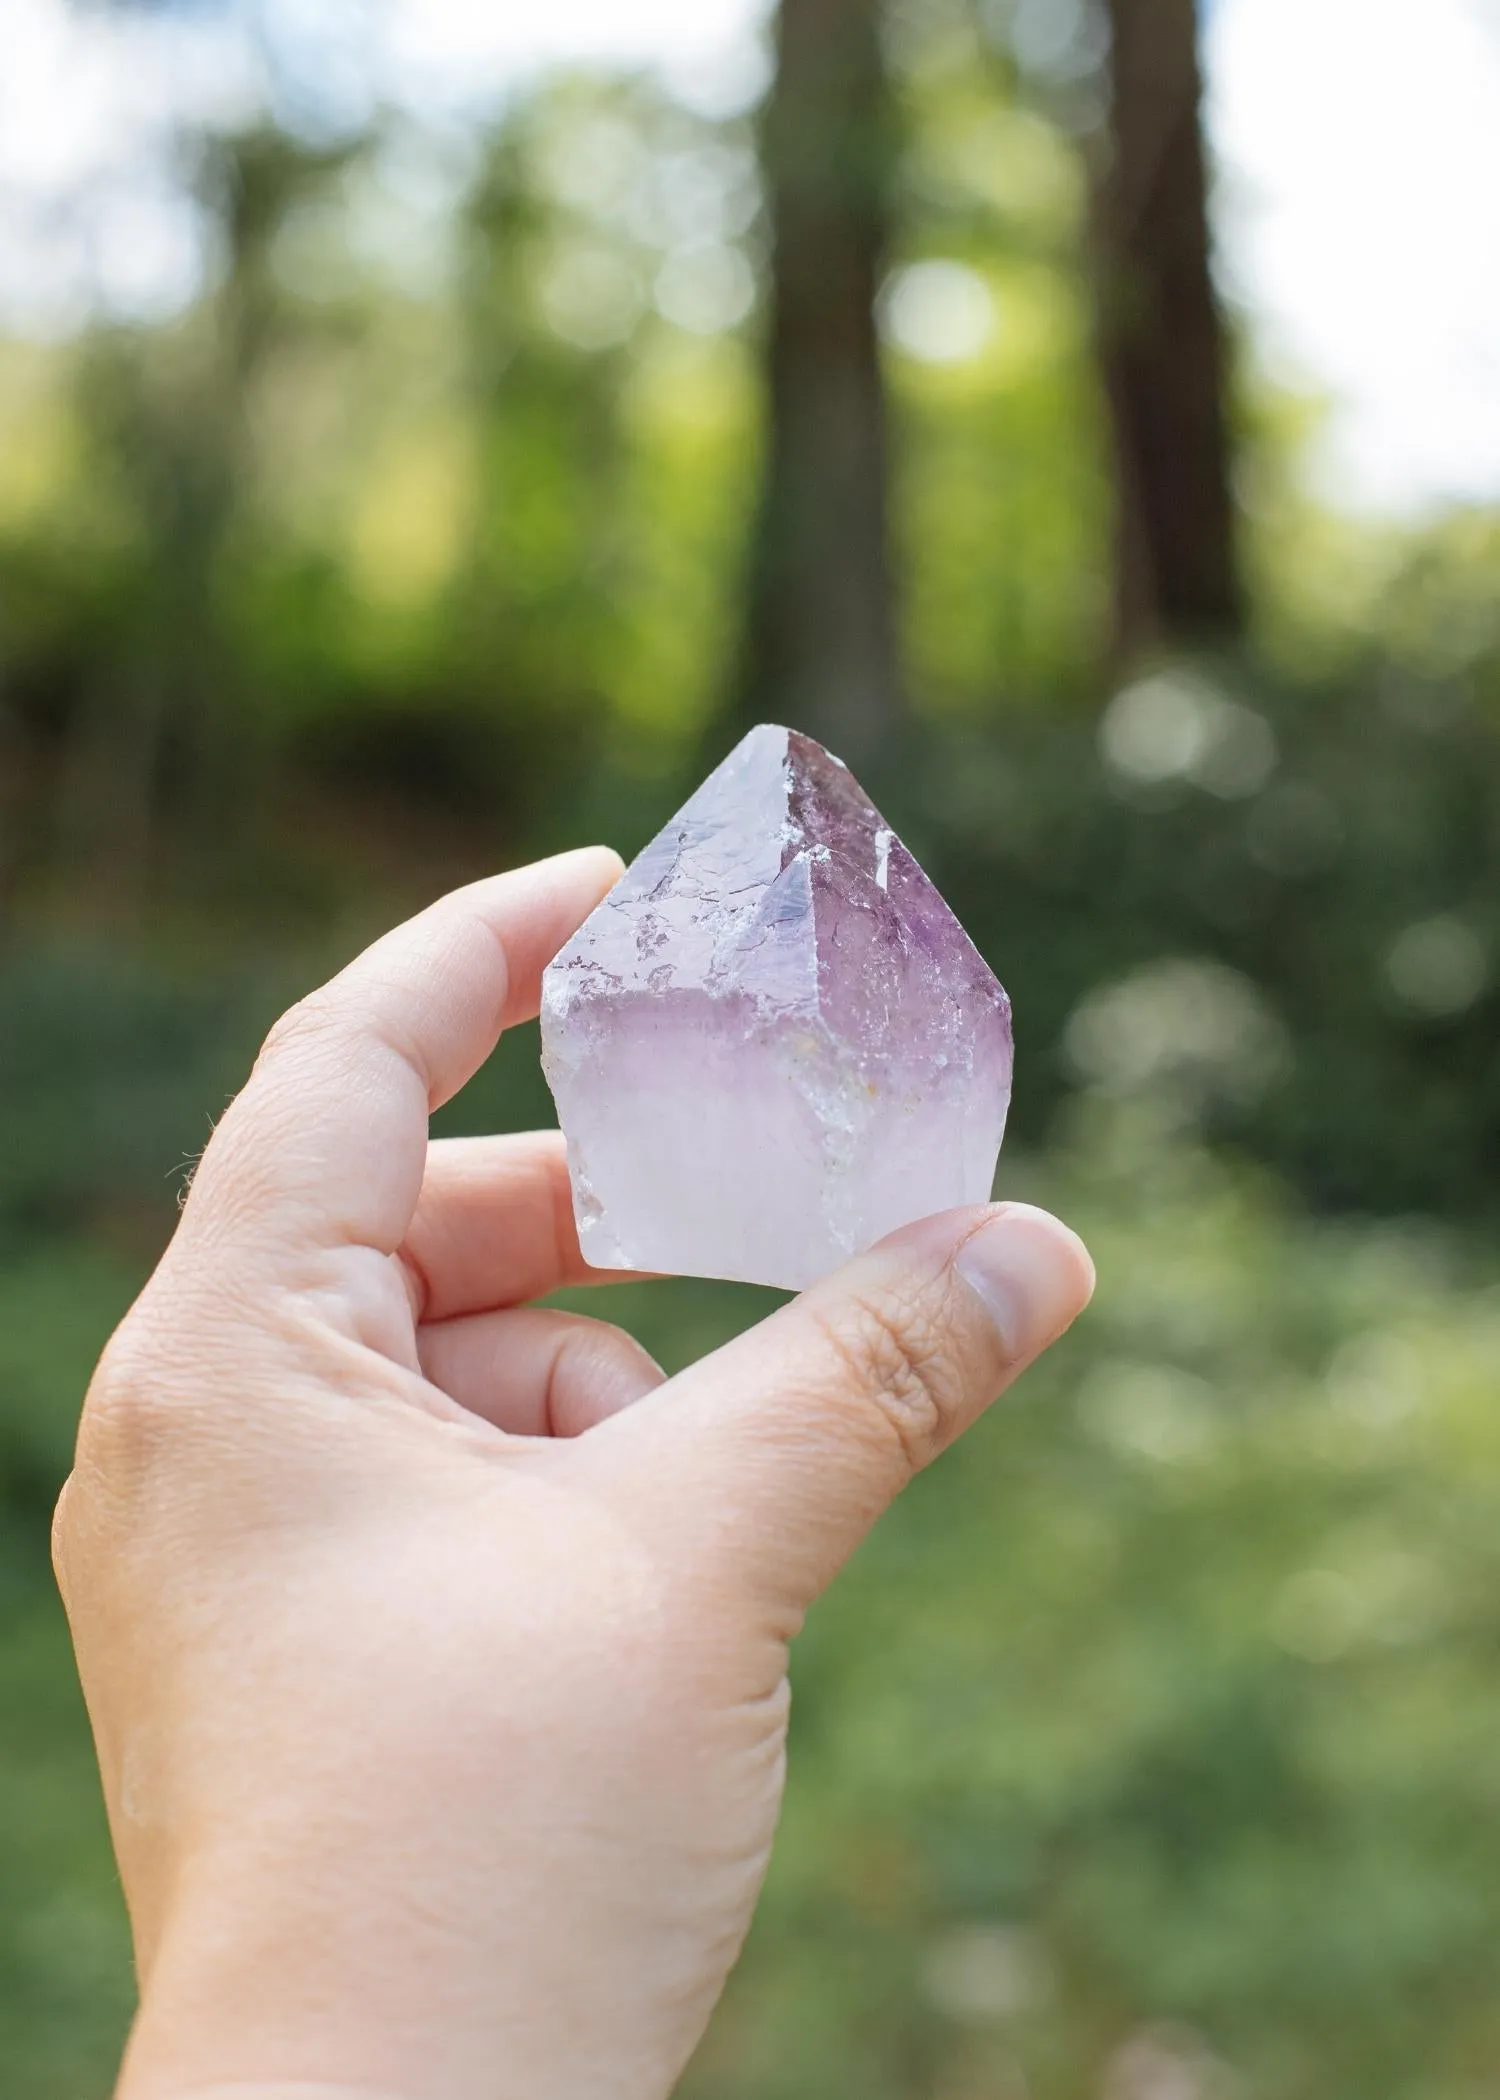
820,646
1161,342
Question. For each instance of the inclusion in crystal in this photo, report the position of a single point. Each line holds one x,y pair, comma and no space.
773,1042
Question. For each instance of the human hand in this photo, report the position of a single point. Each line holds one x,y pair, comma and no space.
435,1648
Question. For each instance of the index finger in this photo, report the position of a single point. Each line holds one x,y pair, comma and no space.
326,1144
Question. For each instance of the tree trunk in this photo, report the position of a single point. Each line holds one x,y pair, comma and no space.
1162,344
819,649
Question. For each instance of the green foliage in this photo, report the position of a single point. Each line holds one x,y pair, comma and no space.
67,1990
65,1983
1333,844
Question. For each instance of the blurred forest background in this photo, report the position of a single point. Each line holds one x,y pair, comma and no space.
491,479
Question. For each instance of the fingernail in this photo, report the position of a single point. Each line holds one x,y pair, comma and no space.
1033,1275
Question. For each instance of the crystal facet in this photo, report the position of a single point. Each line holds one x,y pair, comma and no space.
773,1042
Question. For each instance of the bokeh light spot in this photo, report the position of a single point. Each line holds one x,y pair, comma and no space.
941,313
1438,966
706,289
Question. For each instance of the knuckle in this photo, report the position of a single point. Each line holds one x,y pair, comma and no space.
892,1355
338,1023
127,1414
307,1025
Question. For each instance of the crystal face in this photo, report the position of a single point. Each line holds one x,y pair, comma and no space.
773,1042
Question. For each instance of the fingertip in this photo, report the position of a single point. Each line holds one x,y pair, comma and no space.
1032,1273
609,1371
536,910
600,863
1068,1250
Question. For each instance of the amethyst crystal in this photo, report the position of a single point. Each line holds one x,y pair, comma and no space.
773,1042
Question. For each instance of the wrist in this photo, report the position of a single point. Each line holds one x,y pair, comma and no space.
252,2000
244,1999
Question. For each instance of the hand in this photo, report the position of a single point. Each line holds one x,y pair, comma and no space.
435,1647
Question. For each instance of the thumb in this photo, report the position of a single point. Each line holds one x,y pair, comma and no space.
782,1448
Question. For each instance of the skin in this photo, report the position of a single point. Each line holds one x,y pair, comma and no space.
435,1646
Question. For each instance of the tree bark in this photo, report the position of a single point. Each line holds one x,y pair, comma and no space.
819,648
1176,579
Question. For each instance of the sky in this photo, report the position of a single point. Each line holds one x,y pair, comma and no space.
1357,142
1359,224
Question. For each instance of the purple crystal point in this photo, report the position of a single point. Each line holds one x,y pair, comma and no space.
773,1042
